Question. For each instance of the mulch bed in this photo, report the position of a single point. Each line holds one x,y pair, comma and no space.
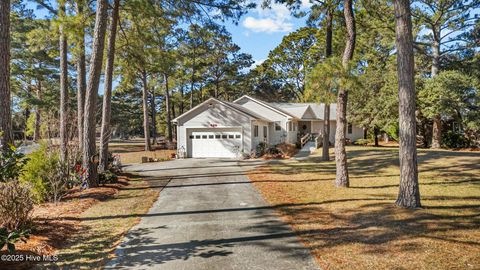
54,223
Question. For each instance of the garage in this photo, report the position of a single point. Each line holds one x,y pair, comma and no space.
214,142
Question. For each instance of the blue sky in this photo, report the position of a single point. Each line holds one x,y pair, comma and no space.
261,30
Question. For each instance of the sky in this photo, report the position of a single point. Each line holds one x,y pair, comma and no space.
257,32
261,30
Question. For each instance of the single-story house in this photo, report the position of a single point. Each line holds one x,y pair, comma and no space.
218,128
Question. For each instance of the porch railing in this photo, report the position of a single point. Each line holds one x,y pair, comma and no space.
305,139
319,141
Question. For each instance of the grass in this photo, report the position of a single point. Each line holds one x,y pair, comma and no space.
132,152
360,228
85,229
104,224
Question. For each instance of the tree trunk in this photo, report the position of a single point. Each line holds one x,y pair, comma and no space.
27,115
154,116
63,89
167,108
437,120
217,88
326,120
146,124
174,115
375,134
341,178
192,84
36,132
181,99
107,96
81,80
89,151
437,131
6,136
409,194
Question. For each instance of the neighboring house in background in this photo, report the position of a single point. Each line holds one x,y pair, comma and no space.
218,128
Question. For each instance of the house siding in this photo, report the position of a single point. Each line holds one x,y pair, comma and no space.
218,116
276,136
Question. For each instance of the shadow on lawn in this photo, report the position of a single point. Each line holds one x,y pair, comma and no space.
373,224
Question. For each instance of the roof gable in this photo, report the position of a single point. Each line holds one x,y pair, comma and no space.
226,104
309,113
266,105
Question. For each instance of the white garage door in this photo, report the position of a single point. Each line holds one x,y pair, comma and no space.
215,143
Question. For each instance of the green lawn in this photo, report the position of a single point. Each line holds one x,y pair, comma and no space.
360,228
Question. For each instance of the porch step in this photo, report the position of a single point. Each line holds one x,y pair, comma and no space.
306,151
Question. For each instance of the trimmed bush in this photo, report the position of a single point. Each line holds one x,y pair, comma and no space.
16,205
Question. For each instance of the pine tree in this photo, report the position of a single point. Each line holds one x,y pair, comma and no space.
5,113
409,194
107,96
89,151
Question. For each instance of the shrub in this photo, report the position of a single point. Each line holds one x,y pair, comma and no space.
38,170
16,205
272,151
11,164
9,238
287,149
260,149
107,177
452,139
363,141
50,177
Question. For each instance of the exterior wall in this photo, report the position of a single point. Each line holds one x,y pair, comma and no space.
317,126
218,116
292,135
261,135
357,133
276,136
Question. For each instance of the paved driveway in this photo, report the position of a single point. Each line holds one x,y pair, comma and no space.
209,216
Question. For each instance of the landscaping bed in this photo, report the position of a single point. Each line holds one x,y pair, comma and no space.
83,229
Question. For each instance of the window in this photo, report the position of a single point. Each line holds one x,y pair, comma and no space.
237,136
350,127
204,136
217,136
224,136
295,126
191,137
255,131
264,131
197,136
210,136
278,125
290,126
230,136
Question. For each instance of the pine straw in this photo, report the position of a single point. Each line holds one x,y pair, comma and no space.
82,230
360,228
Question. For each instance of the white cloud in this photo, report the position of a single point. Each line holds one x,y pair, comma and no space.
270,20
258,62
306,4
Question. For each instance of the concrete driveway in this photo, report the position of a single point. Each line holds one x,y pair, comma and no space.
209,216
